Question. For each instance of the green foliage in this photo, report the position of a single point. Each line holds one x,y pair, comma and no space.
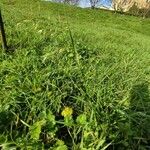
35,129
81,119
60,146
78,78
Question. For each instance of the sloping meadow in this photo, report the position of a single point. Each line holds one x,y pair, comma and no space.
74,78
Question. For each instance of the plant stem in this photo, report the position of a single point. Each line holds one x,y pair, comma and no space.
3,35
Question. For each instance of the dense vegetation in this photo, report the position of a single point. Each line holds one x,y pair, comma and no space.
77,79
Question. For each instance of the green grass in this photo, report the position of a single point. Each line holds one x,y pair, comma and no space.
92,61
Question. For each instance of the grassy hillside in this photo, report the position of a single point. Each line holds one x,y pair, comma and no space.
78,78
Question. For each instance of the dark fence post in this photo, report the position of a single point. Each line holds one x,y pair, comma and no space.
3,35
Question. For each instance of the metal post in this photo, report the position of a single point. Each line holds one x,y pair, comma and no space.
3,36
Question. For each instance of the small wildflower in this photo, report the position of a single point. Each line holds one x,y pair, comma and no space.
67,111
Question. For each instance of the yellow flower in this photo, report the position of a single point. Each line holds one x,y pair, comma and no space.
67,111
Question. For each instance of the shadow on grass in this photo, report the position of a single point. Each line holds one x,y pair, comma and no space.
6,119
140,115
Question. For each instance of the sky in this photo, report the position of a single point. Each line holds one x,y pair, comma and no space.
85,3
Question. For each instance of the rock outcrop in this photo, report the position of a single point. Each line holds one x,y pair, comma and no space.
125,5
